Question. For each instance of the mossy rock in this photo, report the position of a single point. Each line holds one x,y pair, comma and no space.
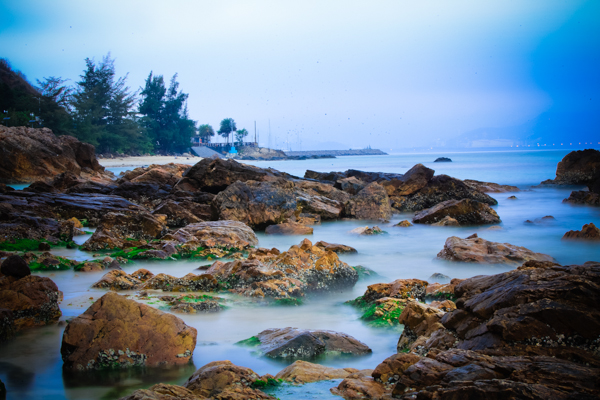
250,342
288,301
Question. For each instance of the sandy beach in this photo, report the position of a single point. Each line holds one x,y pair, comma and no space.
147,160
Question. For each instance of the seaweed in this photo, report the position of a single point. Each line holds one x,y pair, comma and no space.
250,342
288,301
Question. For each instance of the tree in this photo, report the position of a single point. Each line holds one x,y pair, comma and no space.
239,136
165,114
103,110
205,131
227,126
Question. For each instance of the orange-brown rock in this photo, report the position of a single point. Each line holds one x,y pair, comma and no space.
336,248
372,202
30,154
32,301
398,289
390,369
225,380
361,386
588,232
420,321
465,211
222,234
413,180
165,174
308,267
288,228
479,250
404,224
301,372
442,291
187,283
446,221
120,280
118,332
163,391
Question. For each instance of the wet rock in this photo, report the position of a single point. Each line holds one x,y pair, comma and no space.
191,304
225,380
465,212
588,232
479,250
398,289
301,372
413,180
162,175
420,321
163,391
31,154
439,189
470,375
257,204
336,248
288,228
372,202
361,386
581,167
7,327
436,277
583,197
442,159
180,214
214,234
120,280
326,208
350,185
446,221
300,270
365,230
404,224
187,283
390,370
32,301
489,187
115,332
442,291
15,266
306,344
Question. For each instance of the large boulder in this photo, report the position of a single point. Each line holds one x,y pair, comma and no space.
118,332
413,180
162,175
162,391
30,154
222,234
225,380
291,274
466,212
257,204
305,343
372,202
479,250
440,188
581,167
30,301
15,266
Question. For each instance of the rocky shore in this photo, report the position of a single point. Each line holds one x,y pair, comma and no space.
532,332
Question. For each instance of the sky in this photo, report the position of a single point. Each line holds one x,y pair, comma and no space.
332,74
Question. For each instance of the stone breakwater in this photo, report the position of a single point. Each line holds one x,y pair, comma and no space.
336,153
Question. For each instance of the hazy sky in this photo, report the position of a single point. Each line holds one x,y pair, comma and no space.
380,73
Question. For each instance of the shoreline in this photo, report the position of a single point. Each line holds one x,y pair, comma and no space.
146,160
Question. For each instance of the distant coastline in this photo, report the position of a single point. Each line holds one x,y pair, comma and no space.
336,153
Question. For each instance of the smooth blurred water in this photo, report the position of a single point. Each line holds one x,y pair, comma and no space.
31,366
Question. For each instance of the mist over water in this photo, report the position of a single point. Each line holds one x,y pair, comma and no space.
31,366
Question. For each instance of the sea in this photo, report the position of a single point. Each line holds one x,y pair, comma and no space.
31,365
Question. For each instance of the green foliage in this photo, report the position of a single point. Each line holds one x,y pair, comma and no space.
103,110
227,126
240,134
288,301
250,342
165,115
206,132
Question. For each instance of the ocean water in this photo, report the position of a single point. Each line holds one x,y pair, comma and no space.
31,366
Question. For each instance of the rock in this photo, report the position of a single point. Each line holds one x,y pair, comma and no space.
360,386
413,180
187,283
461,374
588,232
89,267
15,266
489,187
120,280
336,248
180,214
44,246
350,185
440,188
162,175
442,159
312,202
466,212
300,270
288,228
446,221
372,202
32,301
442,291
257,204
118,332
480,250
539,308
215,175
34,154
306,344
375,230
436,277
583,197
390,370
581,167
420,321
191,304
301,372
163,391
211,234
404,224
225,380
398,289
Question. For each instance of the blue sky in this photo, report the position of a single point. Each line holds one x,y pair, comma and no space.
388,74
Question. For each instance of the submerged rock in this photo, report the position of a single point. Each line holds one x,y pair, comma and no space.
404,224
288,228
479,250
588,232
116,332
365,230
306,344
300,372
465,212
336,248
442,159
